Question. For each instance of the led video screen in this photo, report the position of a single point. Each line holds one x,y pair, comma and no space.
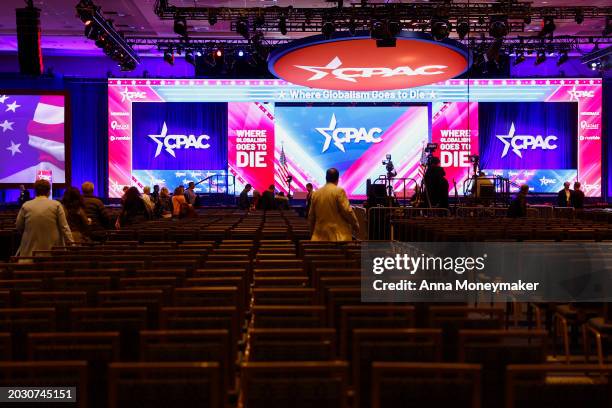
34,138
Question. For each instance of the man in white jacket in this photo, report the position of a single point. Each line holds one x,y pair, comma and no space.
330,215
42,222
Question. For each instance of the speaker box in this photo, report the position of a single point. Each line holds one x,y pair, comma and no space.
28,41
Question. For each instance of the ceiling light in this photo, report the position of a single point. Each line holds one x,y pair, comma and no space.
328,29
540,58
180,26
242,28
282,25
463,28
440,29
562,58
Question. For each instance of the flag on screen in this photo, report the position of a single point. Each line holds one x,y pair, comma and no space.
31,137
283,171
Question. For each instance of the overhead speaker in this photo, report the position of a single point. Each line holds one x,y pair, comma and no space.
28,41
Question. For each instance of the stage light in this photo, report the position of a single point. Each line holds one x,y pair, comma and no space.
242,28
328,29
91,31
218,53
579,18
395,28
562,58
198,53
169,57
282,25
212,16
240,53
180,26
548,27
352,26
540,58
440,29
594,66
520,57
377,30
463,28
498,27
189,58
608,27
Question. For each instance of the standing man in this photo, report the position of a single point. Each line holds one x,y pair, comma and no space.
243,201
436,184
24,195
518,206
95,209
331,217
42,222
578,197
155,194
309,189
268,201
190,194
564,197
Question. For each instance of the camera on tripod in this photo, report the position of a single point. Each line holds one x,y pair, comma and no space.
429,151
389,166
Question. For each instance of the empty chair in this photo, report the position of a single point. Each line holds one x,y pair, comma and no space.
21,321
288,316
294,384
284,296
163,384
292,344
559,386
6,351
425,384
61,300
408,345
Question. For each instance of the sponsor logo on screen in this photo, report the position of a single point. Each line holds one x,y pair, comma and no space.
582,137
119,126
576,95
524,142
586,125
357,64
546,181
170,143
120,113
131,95
590,113
124,138
341,135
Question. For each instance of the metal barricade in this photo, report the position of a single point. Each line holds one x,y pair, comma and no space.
380,219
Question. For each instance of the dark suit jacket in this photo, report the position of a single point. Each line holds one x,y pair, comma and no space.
562,200
243,201
577,199
268,202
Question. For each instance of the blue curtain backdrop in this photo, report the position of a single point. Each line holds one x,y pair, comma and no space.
529,118
89,126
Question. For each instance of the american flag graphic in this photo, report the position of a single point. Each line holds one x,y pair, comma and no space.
31,137
283,171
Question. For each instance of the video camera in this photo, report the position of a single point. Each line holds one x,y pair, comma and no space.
389,166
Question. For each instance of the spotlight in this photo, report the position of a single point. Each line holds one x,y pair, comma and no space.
579,18
548,27
282,25
242,28
562,58
198,53
240,53
328,29
440,29
259,21
189,58
377,30
169,57
91,31
212,16
594,66
218,53
520,57
395,28
463,28
180,26
498,27
540,58
352,26
608,27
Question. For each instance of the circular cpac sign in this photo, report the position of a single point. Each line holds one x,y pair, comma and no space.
356,64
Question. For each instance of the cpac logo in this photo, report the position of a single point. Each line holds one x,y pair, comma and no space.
546,181
524,142
172,142
347,135
576,95
351,74
125,94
